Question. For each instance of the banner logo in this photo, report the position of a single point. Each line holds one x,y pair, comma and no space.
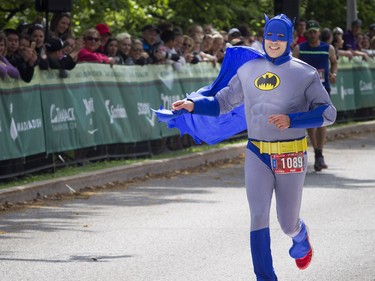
115,111
144,109
366,86
23,126
89,105
62,118
167,77
345,91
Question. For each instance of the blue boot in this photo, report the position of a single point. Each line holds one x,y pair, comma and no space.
260,244
301,250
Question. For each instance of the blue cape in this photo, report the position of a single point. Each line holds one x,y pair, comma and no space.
210,129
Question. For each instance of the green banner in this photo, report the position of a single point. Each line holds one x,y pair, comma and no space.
364,83
98,104
355,86
21,120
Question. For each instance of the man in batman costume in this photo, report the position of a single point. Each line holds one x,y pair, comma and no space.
275,97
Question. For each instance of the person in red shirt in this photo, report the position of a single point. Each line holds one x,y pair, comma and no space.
300,32
91,38
105,34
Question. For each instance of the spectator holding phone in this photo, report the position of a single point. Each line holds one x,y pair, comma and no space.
20,54
187,50
69,43
56,57
37,35
137,55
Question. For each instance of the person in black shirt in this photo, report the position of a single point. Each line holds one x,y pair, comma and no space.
22,57
56,59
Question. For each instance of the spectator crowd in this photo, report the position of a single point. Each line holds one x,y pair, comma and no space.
31,45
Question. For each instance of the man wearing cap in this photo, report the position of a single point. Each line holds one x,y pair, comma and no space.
234,33
275,109
151,43
105,33
56,59
322,56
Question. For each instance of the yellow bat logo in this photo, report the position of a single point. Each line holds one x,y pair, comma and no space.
268,81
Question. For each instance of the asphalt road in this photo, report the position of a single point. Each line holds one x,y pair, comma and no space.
195,226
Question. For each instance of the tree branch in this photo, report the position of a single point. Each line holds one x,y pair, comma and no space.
13,11
196,3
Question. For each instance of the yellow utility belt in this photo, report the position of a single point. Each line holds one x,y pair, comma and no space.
281,147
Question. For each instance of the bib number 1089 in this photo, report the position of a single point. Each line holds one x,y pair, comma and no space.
287,163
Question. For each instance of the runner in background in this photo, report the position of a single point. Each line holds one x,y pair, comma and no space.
322,56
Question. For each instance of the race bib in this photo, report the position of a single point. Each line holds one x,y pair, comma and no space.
287,163
321,74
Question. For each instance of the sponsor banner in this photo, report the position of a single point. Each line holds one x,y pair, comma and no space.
364,84
342,93
355,84
21,120
68,113
98,104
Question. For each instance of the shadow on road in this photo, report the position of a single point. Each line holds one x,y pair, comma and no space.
179,188
328,180
90,258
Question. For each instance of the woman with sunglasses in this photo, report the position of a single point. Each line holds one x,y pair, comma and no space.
137,55
91,38
188,52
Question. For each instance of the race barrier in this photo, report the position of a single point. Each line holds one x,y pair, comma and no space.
99,105
355,84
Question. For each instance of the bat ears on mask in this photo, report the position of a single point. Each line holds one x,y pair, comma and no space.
266,18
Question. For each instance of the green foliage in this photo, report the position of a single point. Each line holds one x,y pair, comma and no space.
131,15
333,13
14,12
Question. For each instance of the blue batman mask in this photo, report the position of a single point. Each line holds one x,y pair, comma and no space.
279,24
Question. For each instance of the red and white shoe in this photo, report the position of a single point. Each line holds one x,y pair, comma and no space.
303,263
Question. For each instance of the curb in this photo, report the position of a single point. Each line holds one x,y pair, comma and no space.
19,194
